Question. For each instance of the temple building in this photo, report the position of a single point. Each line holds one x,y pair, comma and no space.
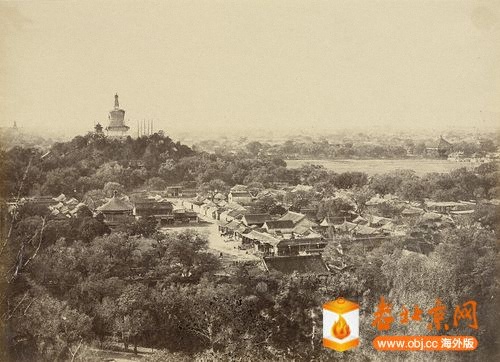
117,127
116,211
98,130
439,149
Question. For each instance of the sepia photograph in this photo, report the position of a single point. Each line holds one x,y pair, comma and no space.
249,180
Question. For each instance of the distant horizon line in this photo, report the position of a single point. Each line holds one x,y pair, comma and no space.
254,131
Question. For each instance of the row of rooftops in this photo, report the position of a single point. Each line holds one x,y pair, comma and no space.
370,225
239,194
416,207
59,206
137,204
264,229
68,206
239,199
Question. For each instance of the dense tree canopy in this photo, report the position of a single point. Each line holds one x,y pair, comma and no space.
69,281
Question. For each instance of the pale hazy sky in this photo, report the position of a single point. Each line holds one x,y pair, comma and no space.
256,63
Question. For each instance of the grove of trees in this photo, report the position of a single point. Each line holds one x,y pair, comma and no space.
70,285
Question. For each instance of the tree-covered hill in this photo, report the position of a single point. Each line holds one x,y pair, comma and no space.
87,162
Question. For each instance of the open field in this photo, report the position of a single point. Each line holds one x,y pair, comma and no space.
371,167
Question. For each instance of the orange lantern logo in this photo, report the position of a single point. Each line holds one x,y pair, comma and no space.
340,324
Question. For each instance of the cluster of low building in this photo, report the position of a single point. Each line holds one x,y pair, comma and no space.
60,207
286,240
300,234
117,210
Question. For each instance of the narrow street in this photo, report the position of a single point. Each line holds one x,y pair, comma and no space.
216,242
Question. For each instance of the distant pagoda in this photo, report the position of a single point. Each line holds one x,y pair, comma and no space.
98,129
117,127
